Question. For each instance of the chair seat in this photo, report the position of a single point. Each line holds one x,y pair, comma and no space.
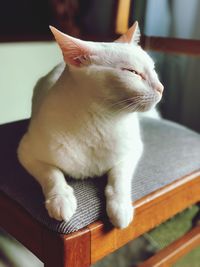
171,151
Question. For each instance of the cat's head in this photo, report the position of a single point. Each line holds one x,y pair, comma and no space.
121,72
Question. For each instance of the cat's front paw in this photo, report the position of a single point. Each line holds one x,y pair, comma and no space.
61,206
120,212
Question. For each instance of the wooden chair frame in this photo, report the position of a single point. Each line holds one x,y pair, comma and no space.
87,246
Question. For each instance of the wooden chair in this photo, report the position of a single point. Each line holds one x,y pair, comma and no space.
98,239
93,242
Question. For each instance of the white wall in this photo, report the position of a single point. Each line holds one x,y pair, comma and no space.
21,64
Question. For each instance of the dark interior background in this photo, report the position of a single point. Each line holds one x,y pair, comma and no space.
28,20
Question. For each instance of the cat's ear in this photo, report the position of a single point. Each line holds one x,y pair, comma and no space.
75,51
131,36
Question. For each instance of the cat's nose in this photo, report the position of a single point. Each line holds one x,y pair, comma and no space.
159,87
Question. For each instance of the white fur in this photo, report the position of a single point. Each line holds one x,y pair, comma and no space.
80,126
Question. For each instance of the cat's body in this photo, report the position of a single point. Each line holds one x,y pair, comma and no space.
82,125
92,132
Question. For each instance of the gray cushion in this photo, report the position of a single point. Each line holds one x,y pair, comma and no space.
171,151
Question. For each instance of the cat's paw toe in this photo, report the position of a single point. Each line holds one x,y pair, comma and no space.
61,207
120,213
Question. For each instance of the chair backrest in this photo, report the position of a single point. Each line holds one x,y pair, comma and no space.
166,45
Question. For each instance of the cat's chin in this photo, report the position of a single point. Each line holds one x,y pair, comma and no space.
148,106
145,106
140,107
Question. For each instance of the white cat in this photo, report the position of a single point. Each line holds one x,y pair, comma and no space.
85,122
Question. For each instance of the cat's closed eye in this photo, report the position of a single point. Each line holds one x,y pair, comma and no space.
140,75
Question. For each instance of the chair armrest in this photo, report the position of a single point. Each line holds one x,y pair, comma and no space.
171,45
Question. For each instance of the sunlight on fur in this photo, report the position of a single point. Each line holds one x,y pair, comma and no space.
85,122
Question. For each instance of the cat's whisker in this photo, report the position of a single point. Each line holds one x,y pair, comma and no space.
141,107
121,109
136,108
124,108
134,104
124,101
131,107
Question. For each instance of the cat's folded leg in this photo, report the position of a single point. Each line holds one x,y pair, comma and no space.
118,193
60,201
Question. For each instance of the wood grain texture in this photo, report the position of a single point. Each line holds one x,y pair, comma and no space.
77,248
171,45
151,211
72,250
169,255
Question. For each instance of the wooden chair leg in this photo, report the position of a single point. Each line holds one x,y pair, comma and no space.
67,250
170,254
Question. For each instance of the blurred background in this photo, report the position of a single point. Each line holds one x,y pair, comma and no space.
28,51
